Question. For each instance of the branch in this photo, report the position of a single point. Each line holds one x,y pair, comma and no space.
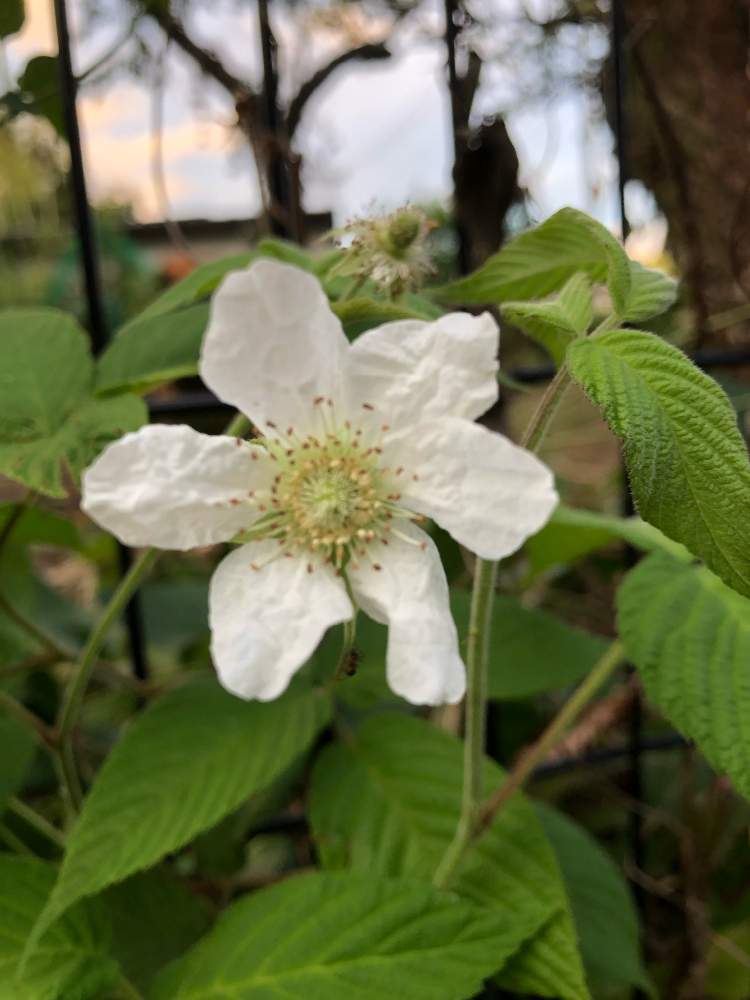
208,62
308,88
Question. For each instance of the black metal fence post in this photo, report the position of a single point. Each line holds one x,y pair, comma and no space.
88,254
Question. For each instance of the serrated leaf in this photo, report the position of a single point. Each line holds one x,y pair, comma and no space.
198,285
603,908
387,803
334,937
39,84
689,636
651,294
12,16
360,314
72,961
531,651
149,352
541,260
557,323
573,532
17,745
49,422
687,462
193,757
155,918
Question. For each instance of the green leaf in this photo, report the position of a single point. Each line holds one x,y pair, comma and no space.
40,84
72,960
531,651
197,286
287,252
193,757
155,918
12,16
49,422
148,352
572,533
387,803
541,260
686,459
557,323
603,909
360,314
689,635
336,937
651,293
17,745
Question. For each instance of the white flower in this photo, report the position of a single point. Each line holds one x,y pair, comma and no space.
360,442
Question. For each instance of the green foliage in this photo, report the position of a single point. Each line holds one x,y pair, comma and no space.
686,459
651,294
689,636
198,285
572,533
72,961
530,651
50,424
17,745
12,16
387,802
186,762
155,918
39,87
338,936
605,916
151,351
557,323
360,314
542,260
34,526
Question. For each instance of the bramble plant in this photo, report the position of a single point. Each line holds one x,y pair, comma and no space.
137,822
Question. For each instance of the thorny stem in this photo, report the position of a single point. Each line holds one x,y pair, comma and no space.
483,593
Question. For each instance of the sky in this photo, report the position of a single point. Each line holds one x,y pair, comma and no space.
377,135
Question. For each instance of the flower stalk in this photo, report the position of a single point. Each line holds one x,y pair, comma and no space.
471,823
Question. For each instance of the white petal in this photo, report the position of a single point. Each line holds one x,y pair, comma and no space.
169,486
489,493
266,623
273,345
409,593
411,371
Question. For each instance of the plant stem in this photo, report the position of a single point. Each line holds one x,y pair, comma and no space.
27,718
552,735
347,647
37,822
35,631
82,673
545,412
475,725
238,426
476,660
13,842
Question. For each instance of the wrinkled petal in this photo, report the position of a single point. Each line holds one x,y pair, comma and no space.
273,345
410,371
489,493
409,593
169,486
266,622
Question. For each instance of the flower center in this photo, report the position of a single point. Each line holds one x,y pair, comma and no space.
331,496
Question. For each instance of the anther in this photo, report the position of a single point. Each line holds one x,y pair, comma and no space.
367,406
